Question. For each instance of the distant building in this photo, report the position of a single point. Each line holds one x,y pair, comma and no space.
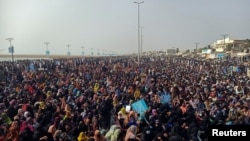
221,45
206,51
171,51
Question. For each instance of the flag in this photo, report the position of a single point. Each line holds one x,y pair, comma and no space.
140,106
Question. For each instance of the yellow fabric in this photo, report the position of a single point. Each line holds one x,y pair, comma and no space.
49,93
18,89
6,119
137,94
96,87
123,110
82,137
41,105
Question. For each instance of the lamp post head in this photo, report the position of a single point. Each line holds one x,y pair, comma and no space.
46,43
138,2
9,39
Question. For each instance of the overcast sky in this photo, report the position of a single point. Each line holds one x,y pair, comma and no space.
112,25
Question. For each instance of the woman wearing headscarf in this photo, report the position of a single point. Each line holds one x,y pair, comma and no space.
98,136
113,133
82,137
163,136
13,133
131,133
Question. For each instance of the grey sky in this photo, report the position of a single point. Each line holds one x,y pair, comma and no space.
112,24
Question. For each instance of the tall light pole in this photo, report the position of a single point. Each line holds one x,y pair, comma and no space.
98,52
68,50
196,47
141,41
224,43
82,50
47,49
224,37
138,3
92,53
103,52
11,50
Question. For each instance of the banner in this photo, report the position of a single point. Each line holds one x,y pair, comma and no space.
32,67
140,106
248,72
165,98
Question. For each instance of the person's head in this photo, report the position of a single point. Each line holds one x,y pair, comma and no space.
165,134
157,123
82,136
91,139
57,134
133,129
97,133
64,137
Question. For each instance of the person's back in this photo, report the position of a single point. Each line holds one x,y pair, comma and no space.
133,139
147,134
26,135
91,139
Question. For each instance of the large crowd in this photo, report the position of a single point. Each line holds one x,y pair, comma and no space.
86,99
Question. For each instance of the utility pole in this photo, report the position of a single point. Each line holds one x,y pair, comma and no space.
196,47
98,52
224,42
82,50
47,49
103,52
11,50
47,43
141,42
224,37
68,50
92,53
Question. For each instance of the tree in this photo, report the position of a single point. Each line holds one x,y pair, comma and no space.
177,50
205,47
200,49
247,44
229,47
187,51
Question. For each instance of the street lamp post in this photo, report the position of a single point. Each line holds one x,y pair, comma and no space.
82,50
103,52
11,50
224,41
138,3
68,50
196,47
47,49
92,53
98,52
224,38
141,53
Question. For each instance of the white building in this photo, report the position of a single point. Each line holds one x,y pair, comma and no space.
221,44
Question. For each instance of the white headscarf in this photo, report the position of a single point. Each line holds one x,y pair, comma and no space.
131,133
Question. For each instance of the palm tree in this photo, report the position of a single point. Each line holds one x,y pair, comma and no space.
247,43
187,51
177,50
